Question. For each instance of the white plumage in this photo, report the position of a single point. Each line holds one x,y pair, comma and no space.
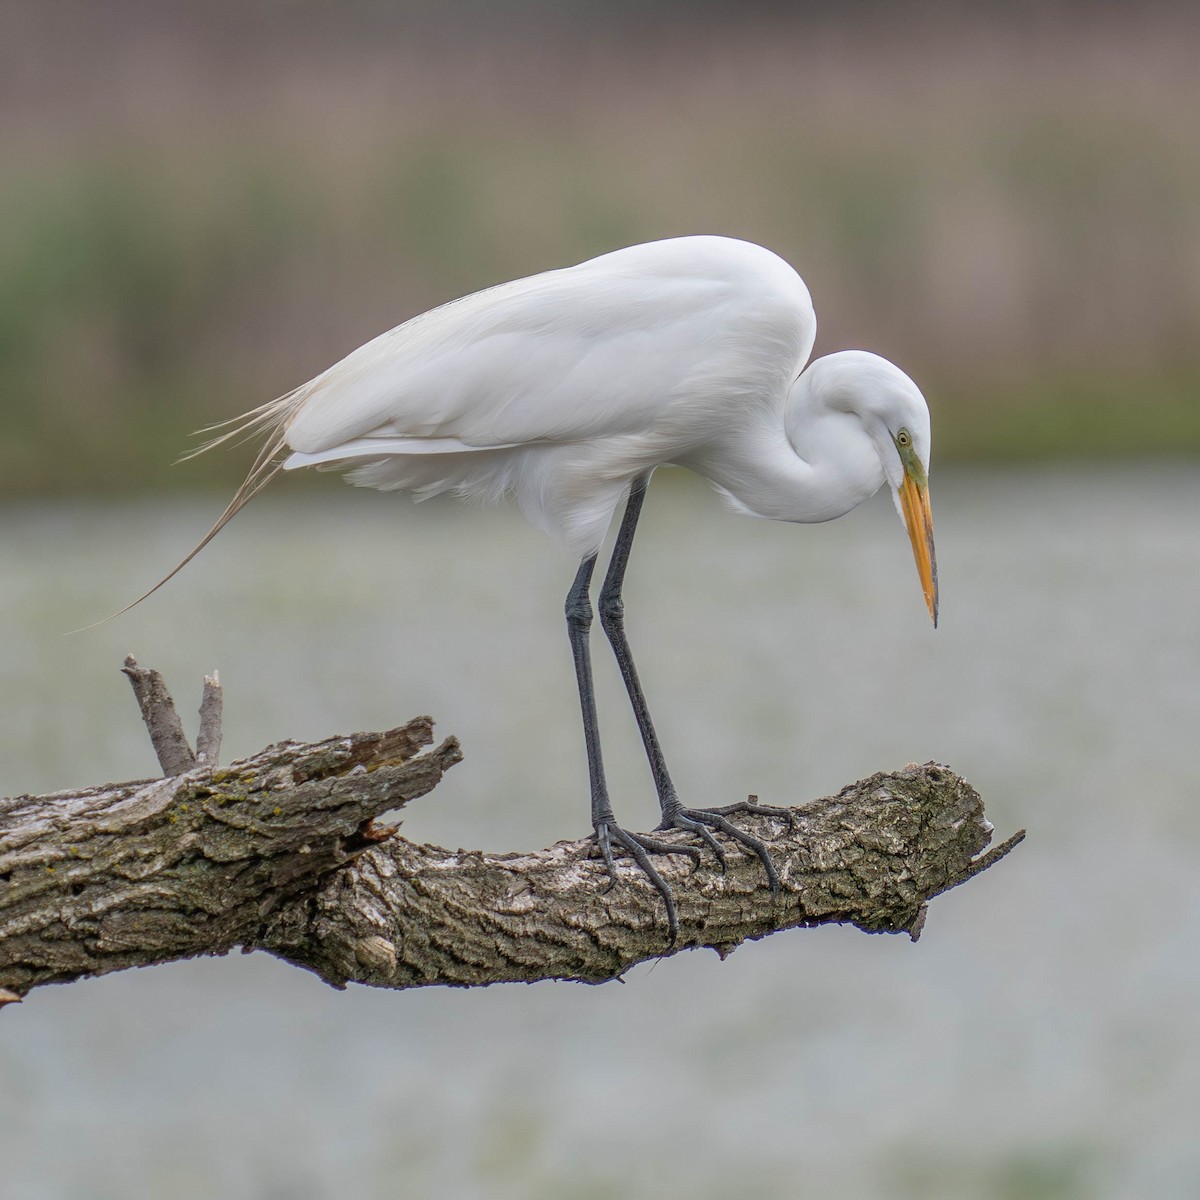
567,390
564,387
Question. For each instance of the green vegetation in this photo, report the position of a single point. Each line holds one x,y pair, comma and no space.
1127,413
1017,236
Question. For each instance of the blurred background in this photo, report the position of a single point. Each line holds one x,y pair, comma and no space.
202,205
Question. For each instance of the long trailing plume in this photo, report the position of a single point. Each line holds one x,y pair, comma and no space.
273,418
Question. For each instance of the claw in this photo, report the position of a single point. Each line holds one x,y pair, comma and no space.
640,848
679,821
739,835
751,805
694,819
696,822
602,840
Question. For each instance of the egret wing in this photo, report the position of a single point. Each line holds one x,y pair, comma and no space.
607,347
592,350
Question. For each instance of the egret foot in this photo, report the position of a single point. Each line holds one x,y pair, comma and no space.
751,805
640,847
694,821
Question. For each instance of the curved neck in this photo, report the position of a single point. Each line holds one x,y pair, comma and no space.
805,461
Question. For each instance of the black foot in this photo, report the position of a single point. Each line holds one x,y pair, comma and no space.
640,848
694,821
751,805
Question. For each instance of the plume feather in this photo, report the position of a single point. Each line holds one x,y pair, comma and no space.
272,418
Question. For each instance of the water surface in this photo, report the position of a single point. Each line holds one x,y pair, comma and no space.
1038,1041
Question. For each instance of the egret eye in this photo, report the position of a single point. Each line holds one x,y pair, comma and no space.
903,439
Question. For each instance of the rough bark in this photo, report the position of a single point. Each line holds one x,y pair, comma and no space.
280,852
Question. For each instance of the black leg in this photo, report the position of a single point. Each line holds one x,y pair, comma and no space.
612,617
579,620
579,624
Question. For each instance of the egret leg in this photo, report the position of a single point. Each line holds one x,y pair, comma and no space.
579,620
674,814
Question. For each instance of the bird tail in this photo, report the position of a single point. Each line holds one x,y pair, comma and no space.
272,418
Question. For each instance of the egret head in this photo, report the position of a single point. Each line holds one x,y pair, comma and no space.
896,420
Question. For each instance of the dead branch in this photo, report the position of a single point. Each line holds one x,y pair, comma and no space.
162,721
208,740
280,852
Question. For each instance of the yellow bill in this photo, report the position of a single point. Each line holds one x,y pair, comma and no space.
914,504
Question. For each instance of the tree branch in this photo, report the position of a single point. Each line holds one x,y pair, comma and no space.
162,721
280,852
208,740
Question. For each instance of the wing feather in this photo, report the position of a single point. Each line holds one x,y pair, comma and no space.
594,350
653,339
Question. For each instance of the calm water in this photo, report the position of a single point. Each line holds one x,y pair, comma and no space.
1040,1041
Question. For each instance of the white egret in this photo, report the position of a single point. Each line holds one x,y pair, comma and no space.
567,389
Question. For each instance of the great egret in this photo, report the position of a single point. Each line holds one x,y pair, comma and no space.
567,389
